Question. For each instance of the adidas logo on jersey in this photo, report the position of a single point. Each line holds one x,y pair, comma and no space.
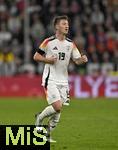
55,48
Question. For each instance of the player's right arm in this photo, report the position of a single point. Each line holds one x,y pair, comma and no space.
49,60
39,55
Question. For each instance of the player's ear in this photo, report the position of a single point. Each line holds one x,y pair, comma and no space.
56,27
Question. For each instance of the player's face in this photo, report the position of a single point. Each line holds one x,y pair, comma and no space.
63,26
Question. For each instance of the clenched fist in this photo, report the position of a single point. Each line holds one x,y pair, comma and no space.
81,60
84,58
52,59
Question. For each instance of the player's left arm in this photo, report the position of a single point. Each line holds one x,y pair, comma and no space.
83,59
78,58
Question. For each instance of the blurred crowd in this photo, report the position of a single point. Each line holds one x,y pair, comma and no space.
93,27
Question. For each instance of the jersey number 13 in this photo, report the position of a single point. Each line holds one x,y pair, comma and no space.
61,56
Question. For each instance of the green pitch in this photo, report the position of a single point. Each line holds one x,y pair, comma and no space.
84,125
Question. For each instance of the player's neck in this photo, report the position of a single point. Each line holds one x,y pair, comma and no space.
60,36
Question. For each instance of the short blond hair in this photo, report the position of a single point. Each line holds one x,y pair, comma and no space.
57,19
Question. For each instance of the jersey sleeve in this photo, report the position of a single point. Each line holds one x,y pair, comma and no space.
75,52
43,47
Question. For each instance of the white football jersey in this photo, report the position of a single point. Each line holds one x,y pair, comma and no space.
63,50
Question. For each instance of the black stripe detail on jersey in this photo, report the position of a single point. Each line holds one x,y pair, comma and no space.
51,38
46,80
40,51
68,39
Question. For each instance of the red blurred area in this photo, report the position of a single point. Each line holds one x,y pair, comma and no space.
80,86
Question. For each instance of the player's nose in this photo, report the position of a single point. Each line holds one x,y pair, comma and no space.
67,28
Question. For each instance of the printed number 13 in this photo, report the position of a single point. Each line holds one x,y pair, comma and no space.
61,56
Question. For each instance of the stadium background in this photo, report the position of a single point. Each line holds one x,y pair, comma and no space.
94,28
